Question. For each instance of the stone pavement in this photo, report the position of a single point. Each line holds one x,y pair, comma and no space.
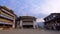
28,31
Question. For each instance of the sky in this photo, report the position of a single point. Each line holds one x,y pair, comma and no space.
37,8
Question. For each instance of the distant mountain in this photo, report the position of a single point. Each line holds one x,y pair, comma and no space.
40,23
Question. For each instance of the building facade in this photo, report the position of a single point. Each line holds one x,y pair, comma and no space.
52,21
7,18
26,22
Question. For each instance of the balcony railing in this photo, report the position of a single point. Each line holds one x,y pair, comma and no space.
7,12
6,23
6,17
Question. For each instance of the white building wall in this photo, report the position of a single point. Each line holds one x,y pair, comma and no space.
14,23
35,24
21,23
28,23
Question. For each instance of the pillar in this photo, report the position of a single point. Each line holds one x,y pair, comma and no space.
21,25
54,25
18,24
13,26
34,24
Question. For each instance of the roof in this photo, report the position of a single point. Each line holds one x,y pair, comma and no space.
7,9
52,14
27,17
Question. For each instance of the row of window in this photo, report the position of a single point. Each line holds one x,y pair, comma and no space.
7,12
6,17
5,23
50,17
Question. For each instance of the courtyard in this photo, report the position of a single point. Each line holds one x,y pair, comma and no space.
29,31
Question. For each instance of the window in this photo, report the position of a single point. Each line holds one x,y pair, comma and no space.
54,15
49,18
6,17
6,11
46,19
1,22
5,23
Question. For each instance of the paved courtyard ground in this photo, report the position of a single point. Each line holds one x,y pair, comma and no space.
28,31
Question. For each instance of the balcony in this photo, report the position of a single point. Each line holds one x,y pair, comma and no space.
7,12
5,23
53,19
6,17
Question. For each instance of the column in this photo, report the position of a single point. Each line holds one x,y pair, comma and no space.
13,23
34,24
18,24
54,25
21,25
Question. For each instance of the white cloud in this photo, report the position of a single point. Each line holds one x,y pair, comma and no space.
40,20
35,7
51,6
44,7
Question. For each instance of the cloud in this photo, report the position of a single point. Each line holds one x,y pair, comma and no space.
37,8
51,6
33,6
39,20
47,7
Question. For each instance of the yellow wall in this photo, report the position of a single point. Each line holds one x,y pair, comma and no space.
8,10
5,8
4,20
0,11
6,15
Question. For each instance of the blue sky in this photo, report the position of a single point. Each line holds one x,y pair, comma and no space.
37,8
